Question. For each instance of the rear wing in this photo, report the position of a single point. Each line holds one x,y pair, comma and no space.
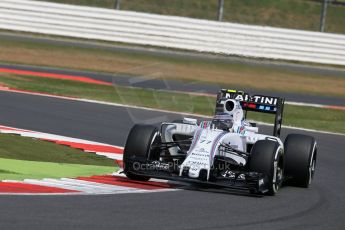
257,103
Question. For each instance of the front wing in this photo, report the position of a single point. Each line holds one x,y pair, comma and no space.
250,181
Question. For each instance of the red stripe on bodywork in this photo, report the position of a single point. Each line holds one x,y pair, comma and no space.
18,187
53,75
123,181
252,106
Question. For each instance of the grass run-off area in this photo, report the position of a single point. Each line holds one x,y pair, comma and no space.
296,14
305,117
27,158
214,71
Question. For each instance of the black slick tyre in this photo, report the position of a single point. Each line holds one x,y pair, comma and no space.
300,159
138,150
267,157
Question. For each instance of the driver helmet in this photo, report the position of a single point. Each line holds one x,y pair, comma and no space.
231,107
223,121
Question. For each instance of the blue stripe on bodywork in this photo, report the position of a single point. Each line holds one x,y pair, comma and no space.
213,149
195,140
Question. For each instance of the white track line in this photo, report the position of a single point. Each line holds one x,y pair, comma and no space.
54,137
92,188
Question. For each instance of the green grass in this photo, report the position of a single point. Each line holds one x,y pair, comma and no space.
20,169
28,158
296,14
305,117
308,117
25,148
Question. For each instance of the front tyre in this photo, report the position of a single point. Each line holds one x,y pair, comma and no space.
300,159
267,157
138,150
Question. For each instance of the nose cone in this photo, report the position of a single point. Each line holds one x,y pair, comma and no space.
194,172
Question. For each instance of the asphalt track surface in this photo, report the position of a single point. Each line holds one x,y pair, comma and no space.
319,207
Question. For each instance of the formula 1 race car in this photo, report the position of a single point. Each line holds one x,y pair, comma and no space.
226,151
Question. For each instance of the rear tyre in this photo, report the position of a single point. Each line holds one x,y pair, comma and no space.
300,159
267,157
138,150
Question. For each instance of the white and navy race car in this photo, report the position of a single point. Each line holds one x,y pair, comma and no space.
225,151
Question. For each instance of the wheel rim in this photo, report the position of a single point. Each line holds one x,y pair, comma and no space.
153,141
312,170
278,174
278,179
312,165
